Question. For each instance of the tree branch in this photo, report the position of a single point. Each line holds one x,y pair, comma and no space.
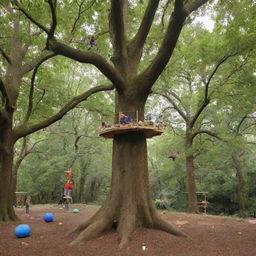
194,5
46,30
138,41
176,107
92,58
213,134
54,20
76,20
207,99
31,92
214,71
3,89
153,71
5,56
249,126
35,62
251,142
117,29
49,32
164,12
224,80
199,111
240,123
22,131
80,11
23,153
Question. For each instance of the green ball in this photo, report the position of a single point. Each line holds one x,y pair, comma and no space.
75,211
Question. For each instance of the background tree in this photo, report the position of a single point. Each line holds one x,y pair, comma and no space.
192,90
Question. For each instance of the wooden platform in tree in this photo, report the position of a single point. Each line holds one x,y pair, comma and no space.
149,131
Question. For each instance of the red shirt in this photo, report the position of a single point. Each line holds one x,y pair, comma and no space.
69,186
69,175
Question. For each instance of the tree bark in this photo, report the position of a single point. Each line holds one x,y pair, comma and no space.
81,193
240,188
191,183
6,159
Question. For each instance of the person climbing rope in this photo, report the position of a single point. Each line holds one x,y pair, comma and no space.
69,186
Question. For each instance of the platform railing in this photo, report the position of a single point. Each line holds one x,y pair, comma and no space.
128,118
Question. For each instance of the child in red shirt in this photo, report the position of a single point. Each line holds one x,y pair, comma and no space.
69,186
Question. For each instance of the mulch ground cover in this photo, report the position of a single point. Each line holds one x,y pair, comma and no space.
209,236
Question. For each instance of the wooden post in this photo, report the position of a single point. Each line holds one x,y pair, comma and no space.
137,115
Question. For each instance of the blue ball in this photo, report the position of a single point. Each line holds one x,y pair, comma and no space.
48,217
22,230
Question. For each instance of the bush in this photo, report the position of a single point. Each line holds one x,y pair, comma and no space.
160,204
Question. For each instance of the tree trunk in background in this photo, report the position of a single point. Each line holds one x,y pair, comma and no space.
81,192
23,153
191,183
240,188
6,160
81,185
94,185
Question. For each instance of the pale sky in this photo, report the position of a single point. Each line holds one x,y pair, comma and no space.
207,22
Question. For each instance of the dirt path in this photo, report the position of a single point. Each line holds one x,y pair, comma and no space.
210,236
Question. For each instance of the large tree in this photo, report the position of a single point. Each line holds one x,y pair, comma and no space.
128,204
20,54
189,90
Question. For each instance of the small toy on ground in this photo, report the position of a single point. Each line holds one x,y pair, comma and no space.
48,217
22,230
75,211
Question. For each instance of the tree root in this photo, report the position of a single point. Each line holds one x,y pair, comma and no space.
105,220
8,215
125,229
93,230
164,226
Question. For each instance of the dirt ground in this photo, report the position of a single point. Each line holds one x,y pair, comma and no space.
209,236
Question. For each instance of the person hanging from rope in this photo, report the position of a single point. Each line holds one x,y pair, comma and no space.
69,186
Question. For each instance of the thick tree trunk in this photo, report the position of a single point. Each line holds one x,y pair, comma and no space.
240,189
16,167
128,205
191,183
6,160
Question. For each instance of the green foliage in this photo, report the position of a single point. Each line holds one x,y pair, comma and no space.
60,150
